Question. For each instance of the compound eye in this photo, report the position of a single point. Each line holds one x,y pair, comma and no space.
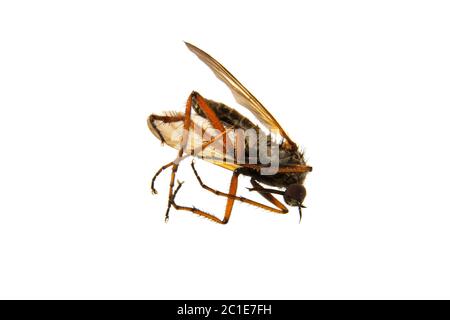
295,194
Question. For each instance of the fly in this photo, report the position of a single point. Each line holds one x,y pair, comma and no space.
216,133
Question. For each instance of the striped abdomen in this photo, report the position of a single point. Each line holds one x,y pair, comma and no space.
228,115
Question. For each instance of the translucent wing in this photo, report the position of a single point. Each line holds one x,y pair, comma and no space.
241,94
200,133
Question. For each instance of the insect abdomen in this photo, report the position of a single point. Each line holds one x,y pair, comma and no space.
227,115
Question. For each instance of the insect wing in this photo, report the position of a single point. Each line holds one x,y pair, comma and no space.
241,94
200,134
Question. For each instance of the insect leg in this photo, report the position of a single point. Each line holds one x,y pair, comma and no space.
269,197
295,169
164,167
195,151
267,194
166,119
228,208
215,122
287,169
261,189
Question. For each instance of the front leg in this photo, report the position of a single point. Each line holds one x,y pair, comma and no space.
267,194
280,207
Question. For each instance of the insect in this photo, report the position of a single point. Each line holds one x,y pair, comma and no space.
216,133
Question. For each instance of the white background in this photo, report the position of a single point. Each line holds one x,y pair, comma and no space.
363,86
